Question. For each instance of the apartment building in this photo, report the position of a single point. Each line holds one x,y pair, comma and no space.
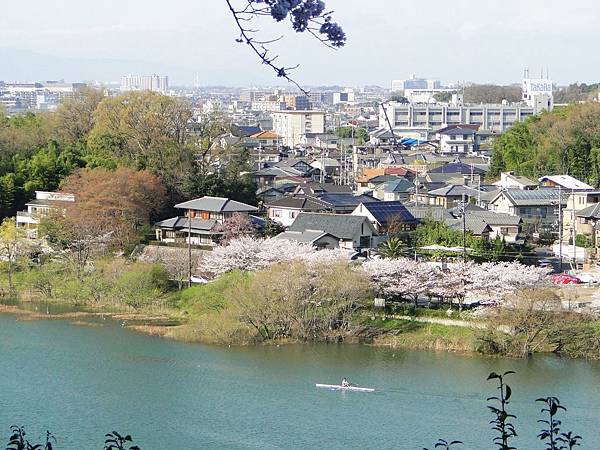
292,125
155,83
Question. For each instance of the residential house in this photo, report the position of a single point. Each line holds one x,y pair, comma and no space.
200,220
321,188
398,189
262,157
473,224
458,139
384,215
352,232
460,168
587,223
343,203
296,164
451,196
328,166
271,176
508,180
565,182
285,210
538,208
268,194
422,213
502,225
316,238
266,139
40,207
579,201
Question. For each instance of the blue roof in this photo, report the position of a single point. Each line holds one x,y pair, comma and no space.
384,211
410,142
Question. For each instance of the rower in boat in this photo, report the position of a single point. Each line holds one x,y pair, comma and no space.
344,383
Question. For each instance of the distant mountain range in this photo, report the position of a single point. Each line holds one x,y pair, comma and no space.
26,65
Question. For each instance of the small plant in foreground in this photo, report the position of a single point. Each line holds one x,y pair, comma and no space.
502,422
443,444
115,441
551,434
17,440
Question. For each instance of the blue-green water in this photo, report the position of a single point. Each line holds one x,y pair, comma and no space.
81,382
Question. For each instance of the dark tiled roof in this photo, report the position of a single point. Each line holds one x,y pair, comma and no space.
181,223
454,190
429,212
343,199
307,237
303,203
591,212
458,167
317,188
341,226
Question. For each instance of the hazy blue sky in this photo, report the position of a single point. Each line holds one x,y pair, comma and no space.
472,40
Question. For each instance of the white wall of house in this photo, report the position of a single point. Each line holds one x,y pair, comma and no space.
501,205
283,216
509,233
456,144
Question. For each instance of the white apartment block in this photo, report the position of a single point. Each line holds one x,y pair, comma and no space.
152,82
292,125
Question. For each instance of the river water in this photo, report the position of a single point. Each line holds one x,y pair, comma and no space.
83,381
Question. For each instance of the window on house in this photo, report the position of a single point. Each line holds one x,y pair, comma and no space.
276,213
504,231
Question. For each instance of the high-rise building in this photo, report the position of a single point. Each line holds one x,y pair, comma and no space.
292,125
155,83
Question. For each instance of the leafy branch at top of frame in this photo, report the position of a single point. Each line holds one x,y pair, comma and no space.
305,16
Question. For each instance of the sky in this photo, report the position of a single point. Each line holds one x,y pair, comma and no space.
455,41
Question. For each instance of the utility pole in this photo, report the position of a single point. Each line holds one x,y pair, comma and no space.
189,248
574,230
560,227
464,227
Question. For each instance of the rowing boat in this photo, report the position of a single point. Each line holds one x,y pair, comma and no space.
337,387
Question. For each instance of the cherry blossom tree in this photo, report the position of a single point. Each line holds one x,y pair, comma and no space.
238,225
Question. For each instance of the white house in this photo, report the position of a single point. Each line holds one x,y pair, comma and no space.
508,180
40,207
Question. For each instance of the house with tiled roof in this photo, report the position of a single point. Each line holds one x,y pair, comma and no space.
285,209
198,223
538,207
352,232
508,180
458,139
384,214
266,139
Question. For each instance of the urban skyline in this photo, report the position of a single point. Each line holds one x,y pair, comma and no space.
479,44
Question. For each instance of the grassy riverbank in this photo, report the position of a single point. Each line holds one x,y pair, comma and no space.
288,303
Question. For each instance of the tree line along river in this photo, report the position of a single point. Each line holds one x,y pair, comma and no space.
81,382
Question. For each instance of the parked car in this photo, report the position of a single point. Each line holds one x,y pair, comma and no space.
564,278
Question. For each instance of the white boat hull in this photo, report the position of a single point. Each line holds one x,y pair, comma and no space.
337,387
